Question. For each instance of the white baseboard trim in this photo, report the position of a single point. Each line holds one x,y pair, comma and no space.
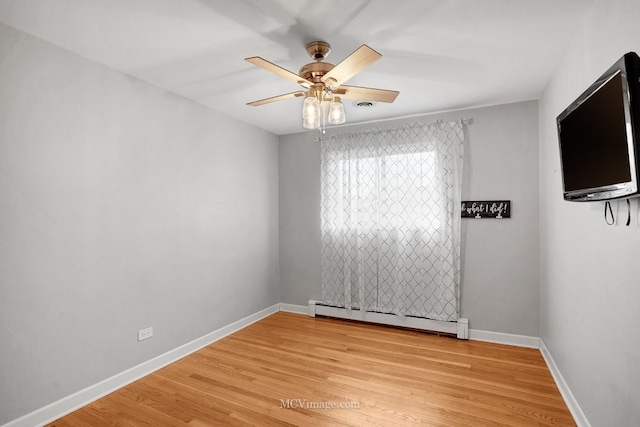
293,308
576,411
82,398
504,338
474,334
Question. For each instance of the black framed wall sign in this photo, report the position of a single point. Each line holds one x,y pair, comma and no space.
486,209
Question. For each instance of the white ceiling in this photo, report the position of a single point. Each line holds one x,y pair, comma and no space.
440,54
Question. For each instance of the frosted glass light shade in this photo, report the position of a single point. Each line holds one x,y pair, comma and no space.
311,122
310,108
336,112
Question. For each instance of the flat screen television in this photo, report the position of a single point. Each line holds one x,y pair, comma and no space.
598,136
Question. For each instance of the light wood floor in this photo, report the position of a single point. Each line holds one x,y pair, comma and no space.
291,369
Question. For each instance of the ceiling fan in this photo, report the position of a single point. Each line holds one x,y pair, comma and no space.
324,84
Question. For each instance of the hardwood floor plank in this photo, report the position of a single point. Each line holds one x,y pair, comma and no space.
290,369
370,369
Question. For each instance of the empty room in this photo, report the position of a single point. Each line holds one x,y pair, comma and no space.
293,212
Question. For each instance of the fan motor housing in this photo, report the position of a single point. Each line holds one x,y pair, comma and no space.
318,50
314,71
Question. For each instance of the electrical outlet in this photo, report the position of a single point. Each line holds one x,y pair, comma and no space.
143,334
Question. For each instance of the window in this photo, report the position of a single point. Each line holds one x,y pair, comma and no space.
390,220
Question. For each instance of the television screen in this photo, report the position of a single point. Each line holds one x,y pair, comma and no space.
594,140
596,135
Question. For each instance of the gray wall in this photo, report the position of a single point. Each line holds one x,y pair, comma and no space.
590,286
500,289
121,207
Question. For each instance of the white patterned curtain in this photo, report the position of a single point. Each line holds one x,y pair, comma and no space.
391,220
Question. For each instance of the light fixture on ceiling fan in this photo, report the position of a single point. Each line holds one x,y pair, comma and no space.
324,84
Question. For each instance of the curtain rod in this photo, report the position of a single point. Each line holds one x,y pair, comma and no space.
463,120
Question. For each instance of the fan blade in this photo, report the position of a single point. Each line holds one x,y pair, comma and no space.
276,98
269,66
360,59
367,93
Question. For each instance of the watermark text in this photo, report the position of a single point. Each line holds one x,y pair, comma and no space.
317,404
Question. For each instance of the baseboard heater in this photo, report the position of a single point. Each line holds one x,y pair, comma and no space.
459,328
